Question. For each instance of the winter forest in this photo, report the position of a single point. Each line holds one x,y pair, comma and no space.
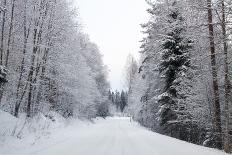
52,74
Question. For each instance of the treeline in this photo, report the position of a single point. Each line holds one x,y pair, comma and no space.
118,99
183,85
48,62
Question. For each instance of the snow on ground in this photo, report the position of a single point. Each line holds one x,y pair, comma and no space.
22,128
20,133
113,136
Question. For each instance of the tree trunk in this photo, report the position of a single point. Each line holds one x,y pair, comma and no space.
2,33
32,69
217,109
10,32
227,81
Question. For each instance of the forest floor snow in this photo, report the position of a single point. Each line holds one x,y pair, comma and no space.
111,136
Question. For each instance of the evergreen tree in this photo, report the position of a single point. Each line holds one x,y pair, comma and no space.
175,65
123,102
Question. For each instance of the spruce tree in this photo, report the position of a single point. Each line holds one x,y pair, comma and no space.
174,69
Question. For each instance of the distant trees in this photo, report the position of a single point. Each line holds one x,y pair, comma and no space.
178,89
119,99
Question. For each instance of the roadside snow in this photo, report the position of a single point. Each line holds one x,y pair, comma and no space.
17,133
113,136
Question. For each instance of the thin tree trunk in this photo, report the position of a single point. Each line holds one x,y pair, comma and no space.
2,33
217,108
227,81
30,75
10,33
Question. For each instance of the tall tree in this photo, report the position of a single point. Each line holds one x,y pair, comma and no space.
226,81
217,108
174,67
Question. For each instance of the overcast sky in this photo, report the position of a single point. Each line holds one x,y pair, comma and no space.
114,25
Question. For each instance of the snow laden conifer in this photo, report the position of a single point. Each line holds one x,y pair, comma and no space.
175,73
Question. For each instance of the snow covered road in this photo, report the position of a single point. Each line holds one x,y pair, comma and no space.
113,136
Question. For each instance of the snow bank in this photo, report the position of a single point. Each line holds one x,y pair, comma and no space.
12,128
7,123
22,133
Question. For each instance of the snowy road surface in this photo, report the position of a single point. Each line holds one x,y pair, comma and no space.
113,136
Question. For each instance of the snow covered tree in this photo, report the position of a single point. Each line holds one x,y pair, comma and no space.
38,39
167,69
174,70
131,68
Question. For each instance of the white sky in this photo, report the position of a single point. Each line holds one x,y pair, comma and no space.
114,25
